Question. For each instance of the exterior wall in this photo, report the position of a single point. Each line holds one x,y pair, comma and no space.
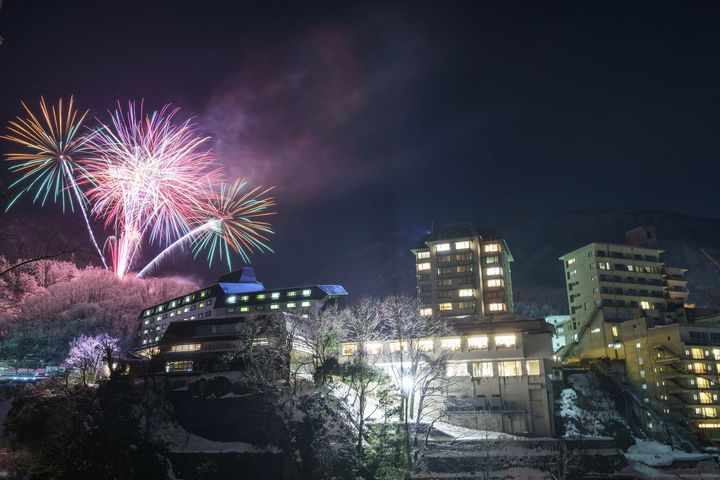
675,369
515,400
619,283
455,276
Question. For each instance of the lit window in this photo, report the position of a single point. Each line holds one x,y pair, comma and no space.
445,306
466,292
697,353
231,299
172,314
708,425
291,305
274,306
373,348
245,298
707,412
477,343
186,347
260,296
533,367
457,370
422,255
423,266
492,259
452,344
159,309
615,331
491,247
462,245
645,305
349,349
186,309
642,373
306,292
496,307
497,282
275,295
442,247
702,382
426,312
425,345
493,271
641,361
184,366
637,345
187,299
148,312
292,294
510,369
305,304
716,353
482,369
705,397
570,262
245,309
505,341
604,265
396,347
595,330
173,304
700,367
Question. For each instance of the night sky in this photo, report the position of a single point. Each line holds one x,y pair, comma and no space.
372,118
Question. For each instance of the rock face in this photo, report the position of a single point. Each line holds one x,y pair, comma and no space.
237,433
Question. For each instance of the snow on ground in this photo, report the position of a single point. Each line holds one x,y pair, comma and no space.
656,454
590,421
181,441
462,433
349,397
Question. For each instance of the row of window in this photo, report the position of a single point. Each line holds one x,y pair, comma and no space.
628,267
181,366
175,303
272,306
454,344
263,296
506,368
700,353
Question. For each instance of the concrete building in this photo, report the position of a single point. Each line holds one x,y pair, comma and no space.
499,373
558,338
675,369
464,271
190,333
611,283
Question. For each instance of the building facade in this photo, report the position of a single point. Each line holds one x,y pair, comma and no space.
675,369
190,333
611,283
464,271
498,374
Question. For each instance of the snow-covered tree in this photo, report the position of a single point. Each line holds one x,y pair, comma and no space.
88,354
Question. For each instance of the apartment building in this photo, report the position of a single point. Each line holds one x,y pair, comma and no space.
675,369
190,333
464,271
498,373
612,283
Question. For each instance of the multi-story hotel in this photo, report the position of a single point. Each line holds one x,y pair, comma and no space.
498,373
611,283
464,271
190,333
675,369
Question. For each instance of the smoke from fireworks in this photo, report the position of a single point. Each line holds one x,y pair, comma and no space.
145,176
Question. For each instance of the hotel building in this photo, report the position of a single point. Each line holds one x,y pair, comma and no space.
191,333
464,271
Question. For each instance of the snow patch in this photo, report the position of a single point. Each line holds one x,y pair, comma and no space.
656,454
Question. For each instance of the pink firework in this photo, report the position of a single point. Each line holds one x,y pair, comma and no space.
145,177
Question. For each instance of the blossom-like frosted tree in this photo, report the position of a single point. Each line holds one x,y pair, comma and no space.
88,353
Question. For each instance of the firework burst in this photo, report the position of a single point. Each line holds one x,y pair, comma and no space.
51,163
146,177
231,219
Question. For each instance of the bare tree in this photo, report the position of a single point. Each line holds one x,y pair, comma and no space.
363,325
322,330
419,369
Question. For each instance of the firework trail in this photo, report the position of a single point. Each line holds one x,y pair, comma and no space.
52,160
229,219
145,177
